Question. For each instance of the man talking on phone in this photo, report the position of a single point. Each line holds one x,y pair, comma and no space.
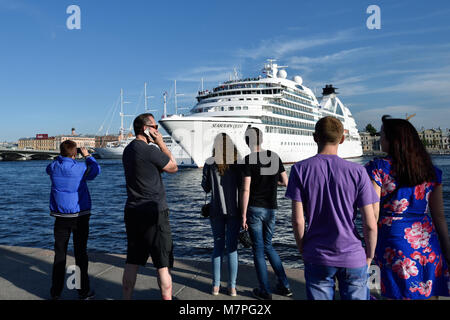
146,211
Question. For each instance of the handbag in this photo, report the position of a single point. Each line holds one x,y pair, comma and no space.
244,238
206,208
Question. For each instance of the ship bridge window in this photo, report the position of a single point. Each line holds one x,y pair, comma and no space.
339,110
238,108
231,109
244,108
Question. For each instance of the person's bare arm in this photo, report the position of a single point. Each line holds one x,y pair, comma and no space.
171,166
376,205
298,224
245,195
369,231
436,205
284,179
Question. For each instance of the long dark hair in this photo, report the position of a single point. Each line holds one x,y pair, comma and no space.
411,162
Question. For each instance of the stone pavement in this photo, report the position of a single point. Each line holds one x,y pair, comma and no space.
25,274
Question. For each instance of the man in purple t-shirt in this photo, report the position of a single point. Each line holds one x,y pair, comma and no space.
326,191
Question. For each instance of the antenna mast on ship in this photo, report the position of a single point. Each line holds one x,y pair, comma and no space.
165,104
271,68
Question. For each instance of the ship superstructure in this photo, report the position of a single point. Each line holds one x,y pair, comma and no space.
285,110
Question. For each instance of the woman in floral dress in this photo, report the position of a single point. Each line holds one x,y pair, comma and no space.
413,248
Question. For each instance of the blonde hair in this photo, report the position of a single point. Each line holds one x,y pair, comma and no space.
224,152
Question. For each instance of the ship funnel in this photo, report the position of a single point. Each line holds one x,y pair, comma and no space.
329,89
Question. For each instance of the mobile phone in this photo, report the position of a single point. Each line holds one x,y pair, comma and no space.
147,132
79,150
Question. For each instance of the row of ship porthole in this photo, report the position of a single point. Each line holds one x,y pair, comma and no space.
311,144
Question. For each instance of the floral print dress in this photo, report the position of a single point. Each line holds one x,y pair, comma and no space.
408,251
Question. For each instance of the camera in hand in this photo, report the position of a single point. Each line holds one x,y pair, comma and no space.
78,150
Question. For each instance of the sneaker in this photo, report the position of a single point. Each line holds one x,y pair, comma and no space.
232,292
215,291
87,296
283,291
261,295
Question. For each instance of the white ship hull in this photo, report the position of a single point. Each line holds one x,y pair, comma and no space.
196,136
110,153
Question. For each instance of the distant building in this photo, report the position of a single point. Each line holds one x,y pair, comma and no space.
40,142
370,143
446,140
435,139
81,141
44,142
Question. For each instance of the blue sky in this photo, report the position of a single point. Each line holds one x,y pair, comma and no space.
53,79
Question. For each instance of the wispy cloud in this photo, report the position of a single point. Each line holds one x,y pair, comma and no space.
208,73
278,48
301,61
434,83
19,6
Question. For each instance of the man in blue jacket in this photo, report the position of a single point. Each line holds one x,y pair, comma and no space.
70,204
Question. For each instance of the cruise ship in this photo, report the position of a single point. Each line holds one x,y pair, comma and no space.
285,110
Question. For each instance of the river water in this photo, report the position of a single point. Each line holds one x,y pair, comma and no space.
25,219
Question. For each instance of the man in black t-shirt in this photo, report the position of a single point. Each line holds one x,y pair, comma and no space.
146,211
263,171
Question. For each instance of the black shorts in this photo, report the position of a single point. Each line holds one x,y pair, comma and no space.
149,234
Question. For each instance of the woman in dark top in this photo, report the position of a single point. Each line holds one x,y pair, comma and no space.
221,176
413,249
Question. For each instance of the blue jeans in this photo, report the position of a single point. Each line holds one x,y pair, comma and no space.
225,230
320,282
261,223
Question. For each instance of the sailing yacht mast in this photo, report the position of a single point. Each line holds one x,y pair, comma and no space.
121,115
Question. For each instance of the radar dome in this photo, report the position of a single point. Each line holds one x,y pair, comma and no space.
282,74
298,79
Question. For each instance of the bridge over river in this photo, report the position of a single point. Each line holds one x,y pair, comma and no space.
27,154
